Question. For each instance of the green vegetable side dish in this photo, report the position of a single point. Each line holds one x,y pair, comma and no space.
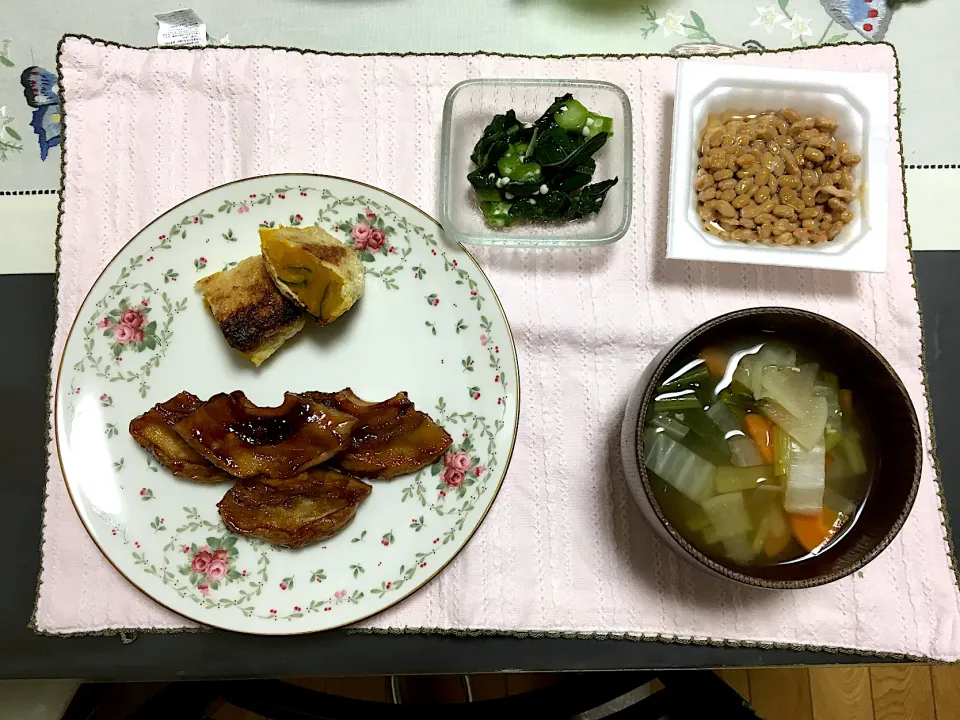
541,170
756,453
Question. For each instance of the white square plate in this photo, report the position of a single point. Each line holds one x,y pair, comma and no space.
861,103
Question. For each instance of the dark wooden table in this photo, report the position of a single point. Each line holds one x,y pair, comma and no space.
26,308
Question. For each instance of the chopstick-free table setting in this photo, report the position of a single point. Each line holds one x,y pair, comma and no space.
562,550
527,571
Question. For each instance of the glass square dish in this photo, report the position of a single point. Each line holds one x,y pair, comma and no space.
469,108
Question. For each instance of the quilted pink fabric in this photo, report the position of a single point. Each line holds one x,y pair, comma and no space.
563,549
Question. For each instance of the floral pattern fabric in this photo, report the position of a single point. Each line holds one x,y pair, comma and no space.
649,27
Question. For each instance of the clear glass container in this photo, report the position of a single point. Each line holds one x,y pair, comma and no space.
469,108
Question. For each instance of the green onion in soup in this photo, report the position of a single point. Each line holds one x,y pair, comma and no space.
756,453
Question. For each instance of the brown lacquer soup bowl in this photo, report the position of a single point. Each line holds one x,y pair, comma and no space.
880,403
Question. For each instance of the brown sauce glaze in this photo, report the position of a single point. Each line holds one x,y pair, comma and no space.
391,437
246,440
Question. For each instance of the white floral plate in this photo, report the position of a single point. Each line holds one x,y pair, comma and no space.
429,323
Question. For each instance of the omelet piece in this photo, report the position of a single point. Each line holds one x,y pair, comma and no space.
314,269
253,316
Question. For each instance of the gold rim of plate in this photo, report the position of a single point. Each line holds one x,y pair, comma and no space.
437,571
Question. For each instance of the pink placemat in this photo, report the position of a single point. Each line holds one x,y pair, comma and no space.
563,550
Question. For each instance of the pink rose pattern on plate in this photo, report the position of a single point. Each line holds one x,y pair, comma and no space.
453,477
382,239
361,236
129,327
369,235
201,561
457,461
209,565
217,569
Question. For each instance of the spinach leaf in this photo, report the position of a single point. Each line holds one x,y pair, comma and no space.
591,198
553,146
481,180
552,206
540,171
580,153
578,177
547,119
495,139
587,167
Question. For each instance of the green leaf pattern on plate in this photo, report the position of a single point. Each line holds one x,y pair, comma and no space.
201,561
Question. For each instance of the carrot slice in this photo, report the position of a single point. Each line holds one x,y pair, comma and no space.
716,360
845,400
761,430
812,531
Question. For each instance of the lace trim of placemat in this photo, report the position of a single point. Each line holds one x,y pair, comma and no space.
650,637
129,634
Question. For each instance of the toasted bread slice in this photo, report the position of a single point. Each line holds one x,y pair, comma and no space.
313,269
253,316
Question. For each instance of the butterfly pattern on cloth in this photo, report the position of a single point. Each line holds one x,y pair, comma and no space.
40,92
869,18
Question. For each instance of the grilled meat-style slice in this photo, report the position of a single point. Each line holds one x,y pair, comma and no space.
391,438
154,431
295,512
246,440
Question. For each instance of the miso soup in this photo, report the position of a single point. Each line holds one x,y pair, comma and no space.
756,452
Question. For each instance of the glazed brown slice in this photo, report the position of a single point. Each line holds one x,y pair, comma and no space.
391,438
246,440
154,431
295,512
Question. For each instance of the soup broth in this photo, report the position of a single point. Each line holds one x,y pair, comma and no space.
756,452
